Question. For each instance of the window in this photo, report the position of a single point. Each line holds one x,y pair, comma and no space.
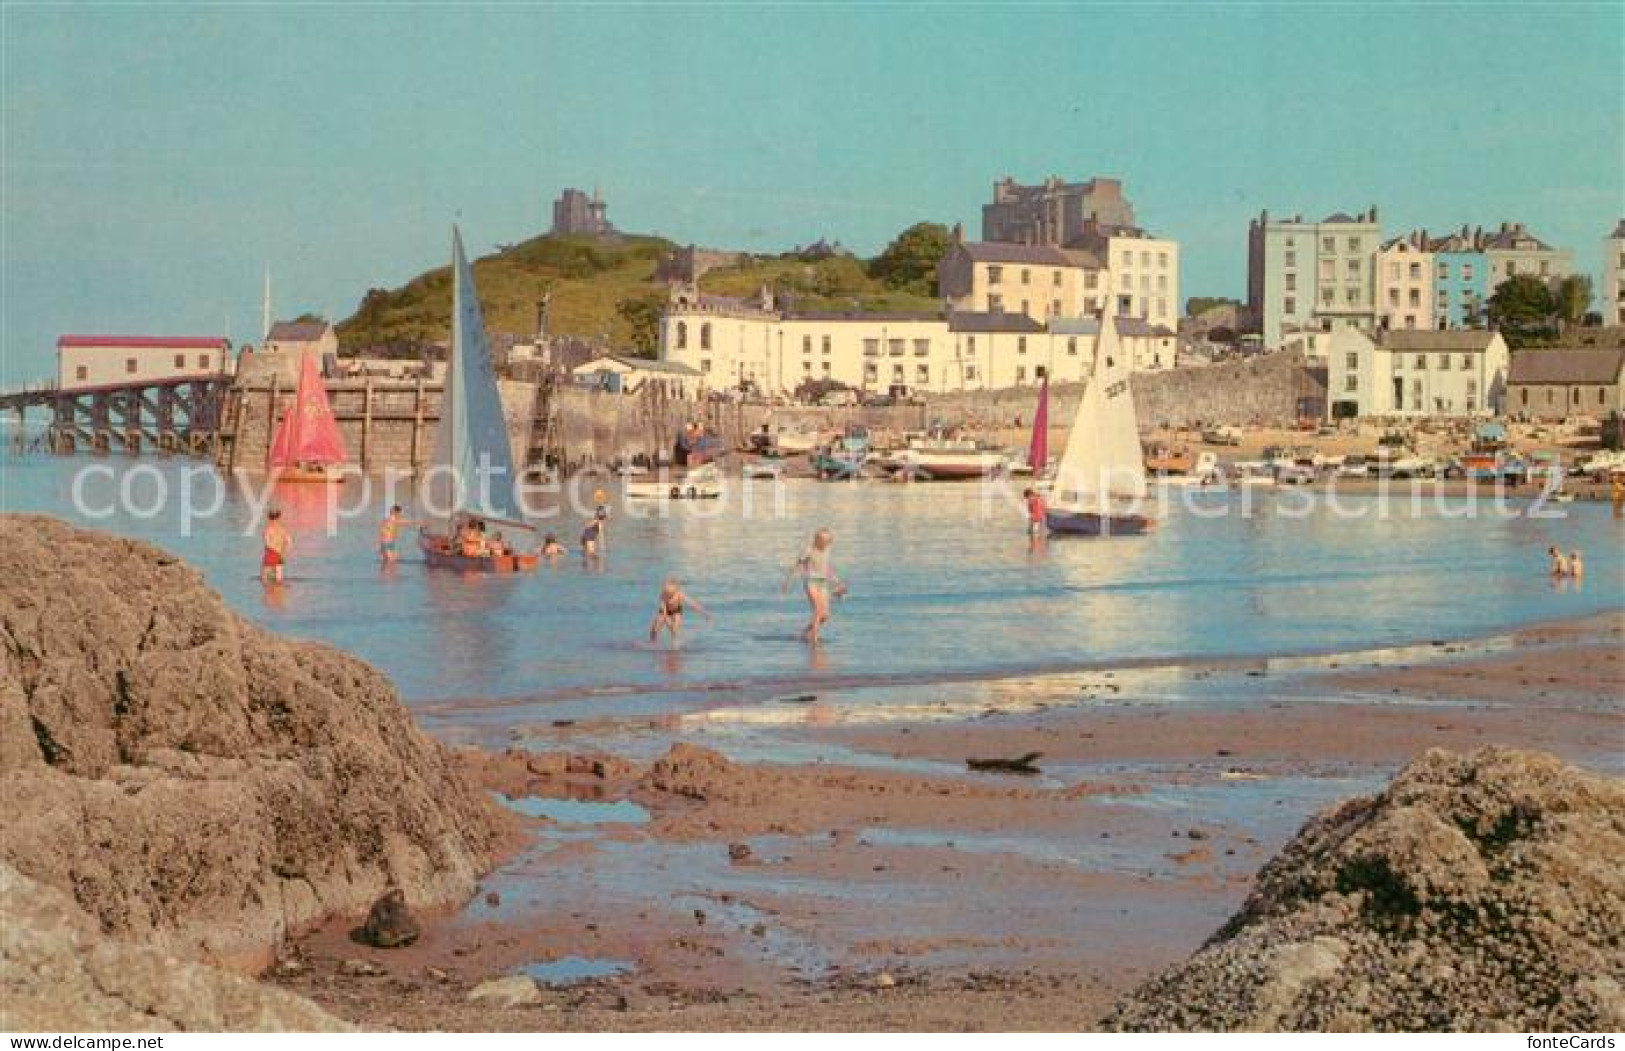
1026,276
825,364
129,364
995,304
1328,296
1128,259
1574,396
1021,373
1351,382
1466,271
1351,360
1512,268
1393,297
970,372
1021,344
1162,307
1602,395
203,361
1416,271
1145,282
1326,272
81,373
1393,271
1421,361
1091,279
1354,268
1072,345
1162,260
871,348
682,335
894,347
1290,306
1291,282
180,361
922,374
1545,268
1125,282
705,364
1444,362
806,366
1328,244
1026,307
922,347
826,345
970,344
1354,244
897,373
806,344
1145,258
995,274
705,336
1055,308
1162,282
1416,297
1292,259
1352,295
871,372
1444,271
1466,362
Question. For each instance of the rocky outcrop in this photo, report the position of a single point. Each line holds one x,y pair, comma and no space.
193,779
1478,892
59,972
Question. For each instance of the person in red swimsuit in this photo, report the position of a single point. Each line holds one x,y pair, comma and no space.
277,542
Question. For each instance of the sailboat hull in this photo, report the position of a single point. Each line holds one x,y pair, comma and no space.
1093,523
331,474
438,554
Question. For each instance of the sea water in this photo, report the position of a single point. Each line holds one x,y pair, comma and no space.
943,582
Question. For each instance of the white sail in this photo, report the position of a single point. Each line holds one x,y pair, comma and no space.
473,464
1103,461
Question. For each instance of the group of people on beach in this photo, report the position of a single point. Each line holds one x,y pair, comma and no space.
1570,567
813,566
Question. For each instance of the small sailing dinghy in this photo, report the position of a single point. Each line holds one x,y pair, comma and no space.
476,523
1037,463
307,446
1100,482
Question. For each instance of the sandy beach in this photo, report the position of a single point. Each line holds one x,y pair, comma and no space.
866,879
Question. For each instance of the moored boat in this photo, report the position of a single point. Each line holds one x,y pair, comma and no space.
949,459
471,484
695,483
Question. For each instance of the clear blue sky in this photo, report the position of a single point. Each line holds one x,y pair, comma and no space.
155,158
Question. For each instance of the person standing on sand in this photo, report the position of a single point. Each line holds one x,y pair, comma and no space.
277,543
389,533
669,612
819,581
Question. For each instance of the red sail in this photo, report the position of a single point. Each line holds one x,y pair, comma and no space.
1038,451
308,433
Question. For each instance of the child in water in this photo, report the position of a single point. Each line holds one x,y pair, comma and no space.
1559,565
589,538
1577,566
551,548
389,534
276,543
1035,513
818,581
669,612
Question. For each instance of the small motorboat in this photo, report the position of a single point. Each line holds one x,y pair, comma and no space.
949,459
696,483
766,469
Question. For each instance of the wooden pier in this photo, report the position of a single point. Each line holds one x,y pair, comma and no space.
181,415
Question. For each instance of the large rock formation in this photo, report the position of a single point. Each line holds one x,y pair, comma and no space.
58,972
1479,892
189,777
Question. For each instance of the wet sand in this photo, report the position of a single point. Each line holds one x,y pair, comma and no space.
826,864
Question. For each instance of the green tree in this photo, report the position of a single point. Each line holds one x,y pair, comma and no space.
1573,298
1521,301
642,313
1199,305
910,261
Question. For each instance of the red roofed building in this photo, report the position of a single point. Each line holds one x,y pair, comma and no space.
104,361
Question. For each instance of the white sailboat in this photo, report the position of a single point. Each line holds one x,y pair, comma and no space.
478,524
1100,486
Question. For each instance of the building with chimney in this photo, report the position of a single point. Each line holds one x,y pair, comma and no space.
1309,277
574,213
1053,212
1512,251
1404,272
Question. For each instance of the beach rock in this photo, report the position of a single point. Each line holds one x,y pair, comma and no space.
695,772
390,924
1477,892
190,777
515,990
59,972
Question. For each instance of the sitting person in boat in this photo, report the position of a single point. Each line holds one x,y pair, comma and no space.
471,539
551,548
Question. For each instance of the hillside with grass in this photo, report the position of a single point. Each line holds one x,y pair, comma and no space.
604,289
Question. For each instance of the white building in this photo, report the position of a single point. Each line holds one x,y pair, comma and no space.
1404,284
1308,276
1037,281
734,343
100,361
1421,372
1143,272
1613,277
293,338
627,375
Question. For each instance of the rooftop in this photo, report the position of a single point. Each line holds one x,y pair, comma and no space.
1035,255
1426,339
1563,365
973,321
132,342
675,368
298,331
1126,326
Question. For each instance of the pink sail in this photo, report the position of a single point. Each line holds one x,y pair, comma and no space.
308,433
1038,451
